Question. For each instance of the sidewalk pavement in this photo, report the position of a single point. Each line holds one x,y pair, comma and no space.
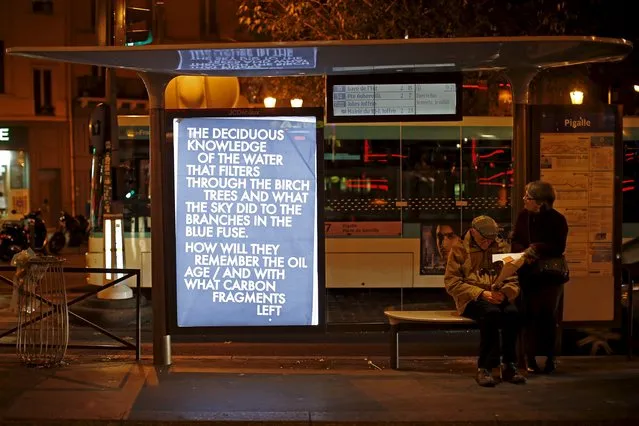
115,390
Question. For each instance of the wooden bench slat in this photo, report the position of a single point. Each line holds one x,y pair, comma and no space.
428,316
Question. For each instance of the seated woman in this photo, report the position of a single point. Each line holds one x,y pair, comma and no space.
469,279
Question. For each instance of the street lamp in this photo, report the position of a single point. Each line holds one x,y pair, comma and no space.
577,97
269,102
297,102
636,87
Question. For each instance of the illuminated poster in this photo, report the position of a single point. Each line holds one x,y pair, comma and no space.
577,156
246,221
436,241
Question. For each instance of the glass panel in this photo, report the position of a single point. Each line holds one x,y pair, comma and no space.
361,173
630,186
131,184
431,160
431,176
364,306
487,175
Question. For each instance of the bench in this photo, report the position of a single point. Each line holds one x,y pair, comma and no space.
422,320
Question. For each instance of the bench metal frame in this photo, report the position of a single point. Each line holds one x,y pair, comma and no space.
397,326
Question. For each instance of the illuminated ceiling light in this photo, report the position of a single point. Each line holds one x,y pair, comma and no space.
577,97
297,102
269,102
636,87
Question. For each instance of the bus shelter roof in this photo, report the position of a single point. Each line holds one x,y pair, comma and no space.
344,57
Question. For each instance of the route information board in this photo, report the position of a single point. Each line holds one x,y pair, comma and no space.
394,99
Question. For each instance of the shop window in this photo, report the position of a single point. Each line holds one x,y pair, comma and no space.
42,92
44,7
14,184
1,66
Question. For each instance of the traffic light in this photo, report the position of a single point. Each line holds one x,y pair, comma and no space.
138,22
100,128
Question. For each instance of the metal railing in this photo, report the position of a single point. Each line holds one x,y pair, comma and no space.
124,345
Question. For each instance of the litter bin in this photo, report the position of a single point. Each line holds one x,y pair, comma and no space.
43,316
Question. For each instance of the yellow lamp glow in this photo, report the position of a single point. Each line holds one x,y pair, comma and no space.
297,102
577,97
269,102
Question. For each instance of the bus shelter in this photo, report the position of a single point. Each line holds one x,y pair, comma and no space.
519,58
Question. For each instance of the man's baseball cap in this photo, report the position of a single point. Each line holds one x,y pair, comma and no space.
486,226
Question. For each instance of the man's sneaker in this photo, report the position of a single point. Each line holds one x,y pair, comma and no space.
485,378
509,373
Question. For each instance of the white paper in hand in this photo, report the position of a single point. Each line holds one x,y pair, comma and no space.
507,257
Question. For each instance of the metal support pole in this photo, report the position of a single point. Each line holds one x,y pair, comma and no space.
138,318
630,315
394,346
118,36
119,22
520,83
155,85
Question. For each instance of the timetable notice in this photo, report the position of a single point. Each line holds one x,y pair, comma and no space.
394,99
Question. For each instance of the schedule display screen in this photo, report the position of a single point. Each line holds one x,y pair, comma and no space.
410,97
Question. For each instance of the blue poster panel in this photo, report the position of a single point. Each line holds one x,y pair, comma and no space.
246,221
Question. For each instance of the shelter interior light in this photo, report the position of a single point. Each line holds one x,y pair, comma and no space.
297,102
269,102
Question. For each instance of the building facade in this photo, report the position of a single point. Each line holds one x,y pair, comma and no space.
45,106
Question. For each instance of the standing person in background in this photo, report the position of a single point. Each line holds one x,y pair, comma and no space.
3,204
540,232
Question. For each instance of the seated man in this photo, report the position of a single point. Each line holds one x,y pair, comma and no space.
469,280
